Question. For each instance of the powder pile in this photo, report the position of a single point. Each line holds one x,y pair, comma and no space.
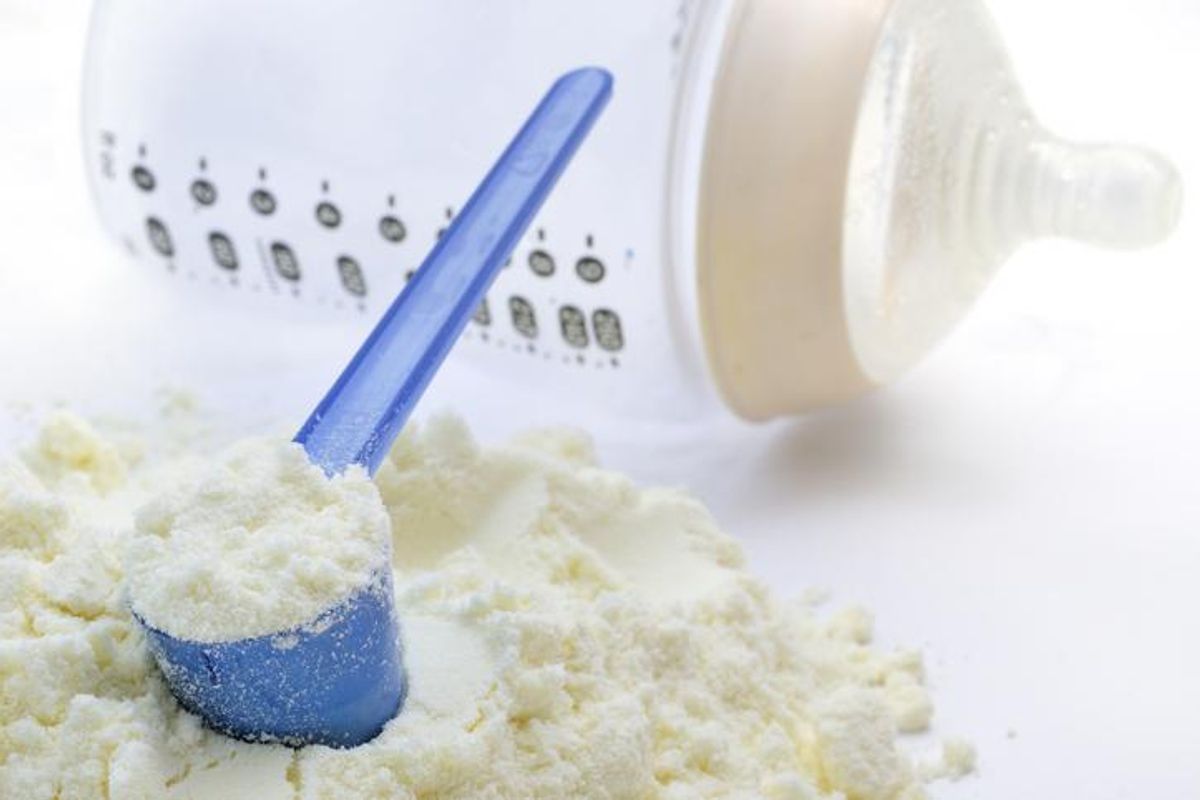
567,635
258,543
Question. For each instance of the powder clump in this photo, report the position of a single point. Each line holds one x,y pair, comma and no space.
567,635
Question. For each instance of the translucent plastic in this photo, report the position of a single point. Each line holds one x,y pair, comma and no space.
338,679
322,206
951,173
358,109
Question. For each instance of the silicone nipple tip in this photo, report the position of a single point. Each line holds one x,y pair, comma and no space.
1135,198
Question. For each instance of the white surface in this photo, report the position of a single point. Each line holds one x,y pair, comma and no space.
1026,505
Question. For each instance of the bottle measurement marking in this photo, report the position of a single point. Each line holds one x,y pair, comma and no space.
143,178
578,330
263,202
329,215
392,229
160,237
203,192
524,318
287,266
108,167
573,323
264,261
607,326
223,251
590,269
351,274
542,263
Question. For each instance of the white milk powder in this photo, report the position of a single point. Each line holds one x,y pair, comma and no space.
260,542
566,635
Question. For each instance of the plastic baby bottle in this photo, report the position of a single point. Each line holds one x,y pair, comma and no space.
786,205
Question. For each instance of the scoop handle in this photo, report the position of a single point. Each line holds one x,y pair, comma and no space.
362,414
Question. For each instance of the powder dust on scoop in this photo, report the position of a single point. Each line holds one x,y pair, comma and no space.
566,634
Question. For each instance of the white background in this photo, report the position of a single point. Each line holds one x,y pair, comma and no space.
1025,506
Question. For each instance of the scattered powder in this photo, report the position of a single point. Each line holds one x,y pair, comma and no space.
959,757
69,455
567,635
258,543
957,761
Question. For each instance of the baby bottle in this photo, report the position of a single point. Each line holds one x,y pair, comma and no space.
786,205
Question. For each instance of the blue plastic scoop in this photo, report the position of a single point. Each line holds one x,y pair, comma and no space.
338,679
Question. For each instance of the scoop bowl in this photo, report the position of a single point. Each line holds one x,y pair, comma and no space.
335,681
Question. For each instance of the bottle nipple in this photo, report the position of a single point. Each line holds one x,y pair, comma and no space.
951,175
863,180
1108,195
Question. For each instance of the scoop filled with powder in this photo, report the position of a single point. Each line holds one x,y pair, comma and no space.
261,542
266,596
